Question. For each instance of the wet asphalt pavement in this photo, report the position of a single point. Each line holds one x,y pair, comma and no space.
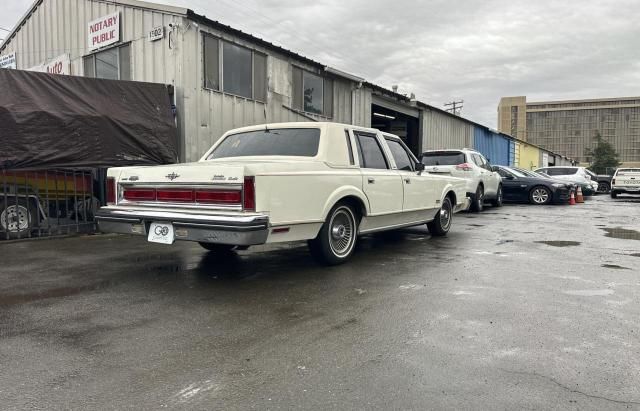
520,307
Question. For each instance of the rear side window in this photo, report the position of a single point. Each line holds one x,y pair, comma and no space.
443,159
479,160
299,142
370,151
400,155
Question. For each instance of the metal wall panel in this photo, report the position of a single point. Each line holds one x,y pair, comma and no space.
440,131
512,153
494,146
528,156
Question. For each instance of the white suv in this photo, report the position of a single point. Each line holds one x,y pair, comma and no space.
483,181
587,180
625,181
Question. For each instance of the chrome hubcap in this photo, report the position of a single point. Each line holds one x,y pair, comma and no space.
342,231
15,218
445,215
540,196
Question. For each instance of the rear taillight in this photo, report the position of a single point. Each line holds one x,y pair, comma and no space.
111,190
249,199
181,196
139,194
464,167
613,181
218,197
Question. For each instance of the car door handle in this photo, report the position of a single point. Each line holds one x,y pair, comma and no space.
407,180
371,180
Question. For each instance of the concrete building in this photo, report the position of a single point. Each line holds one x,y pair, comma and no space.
224,78
569,127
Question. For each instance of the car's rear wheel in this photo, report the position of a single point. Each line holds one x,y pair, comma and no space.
540,195
16,219
442,222
497,202
337,237
603,187
478,200
218,248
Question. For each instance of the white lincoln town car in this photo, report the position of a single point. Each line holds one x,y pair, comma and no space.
326,183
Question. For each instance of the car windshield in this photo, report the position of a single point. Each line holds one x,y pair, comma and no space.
299,142
514,172
443,159
529,173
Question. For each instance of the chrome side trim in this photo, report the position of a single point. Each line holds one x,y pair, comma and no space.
393,227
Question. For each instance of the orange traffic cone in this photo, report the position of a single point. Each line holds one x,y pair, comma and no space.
572,199
579,197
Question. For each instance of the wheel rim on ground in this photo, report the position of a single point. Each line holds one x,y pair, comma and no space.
540,195
499,200
445,215
480,197
15,218
603,187
341,231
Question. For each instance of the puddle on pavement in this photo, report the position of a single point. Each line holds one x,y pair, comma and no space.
635,254
615,266
475,225
590,293
622,233
7,300
557,243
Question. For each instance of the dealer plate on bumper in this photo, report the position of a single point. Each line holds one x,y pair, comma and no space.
162,233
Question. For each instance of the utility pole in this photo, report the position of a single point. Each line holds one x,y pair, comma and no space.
455,107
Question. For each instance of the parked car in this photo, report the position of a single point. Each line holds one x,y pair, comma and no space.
579,175
326,183
572,186
483,182
521,187
625,181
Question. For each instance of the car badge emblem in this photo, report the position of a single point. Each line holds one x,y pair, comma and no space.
134,178
172,176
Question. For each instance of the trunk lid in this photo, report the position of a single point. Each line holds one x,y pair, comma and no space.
189,173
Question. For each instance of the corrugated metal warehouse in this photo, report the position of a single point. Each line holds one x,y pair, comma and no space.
224,78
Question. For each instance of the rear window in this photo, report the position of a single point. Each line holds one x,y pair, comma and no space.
298,142
442,159
628,170
561,171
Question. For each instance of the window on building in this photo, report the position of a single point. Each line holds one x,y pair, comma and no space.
312,93
112,64
234,69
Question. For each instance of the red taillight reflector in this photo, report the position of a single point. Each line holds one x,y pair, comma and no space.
111,190
464,167
249,200
139,194
280,230
175,195
218,197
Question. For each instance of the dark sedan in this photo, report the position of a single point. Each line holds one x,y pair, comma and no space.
520,187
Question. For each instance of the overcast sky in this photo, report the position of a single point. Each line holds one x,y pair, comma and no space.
441,50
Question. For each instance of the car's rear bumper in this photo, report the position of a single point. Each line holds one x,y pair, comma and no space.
251,229
625,190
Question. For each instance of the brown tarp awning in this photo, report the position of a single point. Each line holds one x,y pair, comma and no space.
49,121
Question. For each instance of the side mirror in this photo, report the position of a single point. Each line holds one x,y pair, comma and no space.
509,177
419,167
495,169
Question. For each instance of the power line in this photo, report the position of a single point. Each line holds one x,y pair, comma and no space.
454,107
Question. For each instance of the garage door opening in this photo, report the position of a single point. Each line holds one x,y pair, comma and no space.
404,126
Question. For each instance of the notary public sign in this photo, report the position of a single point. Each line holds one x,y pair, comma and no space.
103,31
58,65
8,61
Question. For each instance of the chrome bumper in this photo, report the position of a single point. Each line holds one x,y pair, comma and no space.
250,229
